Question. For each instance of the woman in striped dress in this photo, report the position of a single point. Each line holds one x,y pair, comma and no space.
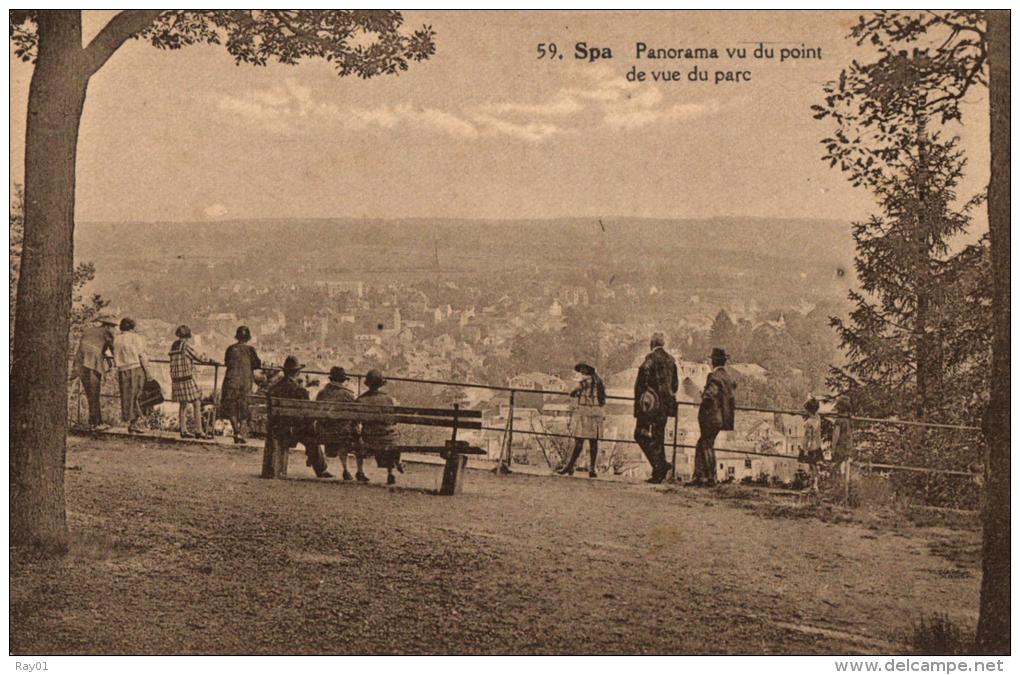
184,388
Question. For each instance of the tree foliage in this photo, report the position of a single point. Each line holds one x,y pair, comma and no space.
365,43
908,340
907,343
927,63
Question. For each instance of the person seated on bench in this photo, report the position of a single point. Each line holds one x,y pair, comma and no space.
289,433
380,437
343,435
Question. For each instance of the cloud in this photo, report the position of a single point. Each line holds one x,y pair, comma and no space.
533,132
597,96
215,211
635,117
564,104
278,109
388,117
614,102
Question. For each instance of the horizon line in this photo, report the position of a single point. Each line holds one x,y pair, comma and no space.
451,219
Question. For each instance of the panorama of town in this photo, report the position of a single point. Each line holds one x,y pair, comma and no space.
463,322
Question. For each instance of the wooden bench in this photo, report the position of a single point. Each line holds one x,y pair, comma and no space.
322,413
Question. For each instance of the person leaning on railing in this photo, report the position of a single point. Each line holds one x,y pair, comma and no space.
132,372
241,361
92,361
715,413
811,451
654,401
184,388
588,416
842,434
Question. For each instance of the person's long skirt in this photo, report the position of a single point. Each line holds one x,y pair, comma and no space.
131,383
234,402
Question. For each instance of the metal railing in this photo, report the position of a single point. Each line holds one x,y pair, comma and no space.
506,455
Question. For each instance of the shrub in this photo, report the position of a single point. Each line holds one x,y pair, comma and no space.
937,635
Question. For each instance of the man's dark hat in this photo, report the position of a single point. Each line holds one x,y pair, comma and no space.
719,354
583,367
812,405
292,365
338,374
374,379
243,333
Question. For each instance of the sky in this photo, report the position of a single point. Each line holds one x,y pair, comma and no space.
483,129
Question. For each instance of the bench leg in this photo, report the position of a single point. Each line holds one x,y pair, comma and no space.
453,474
280,456
268,459
274,459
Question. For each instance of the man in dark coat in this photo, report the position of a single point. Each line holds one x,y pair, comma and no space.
290,432
718,403
654,402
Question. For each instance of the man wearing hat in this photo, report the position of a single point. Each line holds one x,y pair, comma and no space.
93,359
718,403
343,435
380,437
288,433
654,402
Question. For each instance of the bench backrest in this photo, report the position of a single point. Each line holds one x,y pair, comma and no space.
360,412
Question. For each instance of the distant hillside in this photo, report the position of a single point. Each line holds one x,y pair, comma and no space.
559,241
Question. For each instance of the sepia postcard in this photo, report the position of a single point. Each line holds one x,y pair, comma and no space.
569,332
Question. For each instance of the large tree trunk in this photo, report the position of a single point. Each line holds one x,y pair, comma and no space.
993,624
39,363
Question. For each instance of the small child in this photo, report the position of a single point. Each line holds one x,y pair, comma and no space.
811,453
185,390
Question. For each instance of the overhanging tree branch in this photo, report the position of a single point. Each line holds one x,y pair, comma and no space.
121,27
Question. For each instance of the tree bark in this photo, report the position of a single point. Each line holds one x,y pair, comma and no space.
38,405
994,621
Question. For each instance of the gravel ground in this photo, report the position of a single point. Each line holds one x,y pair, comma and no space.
182,549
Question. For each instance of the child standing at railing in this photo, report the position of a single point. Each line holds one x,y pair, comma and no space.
588,417
811,453
185,389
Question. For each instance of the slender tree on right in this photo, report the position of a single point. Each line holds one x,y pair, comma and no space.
928,62
906,342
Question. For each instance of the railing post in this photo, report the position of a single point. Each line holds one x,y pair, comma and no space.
504,462
846,482
676,427
456,410
215,403
78,421
456,462
510,430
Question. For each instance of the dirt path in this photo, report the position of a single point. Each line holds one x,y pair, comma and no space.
183,549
